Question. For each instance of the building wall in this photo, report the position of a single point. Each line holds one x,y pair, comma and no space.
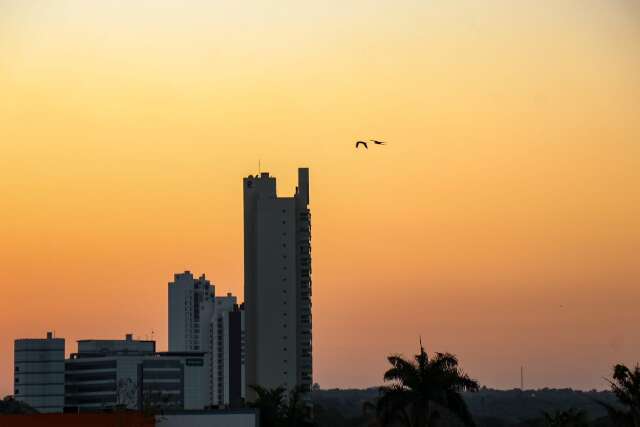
120,419
246,418
304,349
39,373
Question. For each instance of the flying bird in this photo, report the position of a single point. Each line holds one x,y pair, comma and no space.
378,142
363,143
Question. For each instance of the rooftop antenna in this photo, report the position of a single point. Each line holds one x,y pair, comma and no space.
259,167
521,377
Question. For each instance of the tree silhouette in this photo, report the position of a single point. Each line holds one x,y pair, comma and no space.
626,387
568,418
424,391
9,405
279,410
269,403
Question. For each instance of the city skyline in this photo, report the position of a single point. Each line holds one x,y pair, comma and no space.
502,224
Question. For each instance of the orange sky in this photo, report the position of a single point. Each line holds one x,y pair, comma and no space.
502,222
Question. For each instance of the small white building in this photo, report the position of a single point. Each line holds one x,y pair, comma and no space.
39,372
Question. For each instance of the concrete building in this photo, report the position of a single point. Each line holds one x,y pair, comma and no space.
39,373
129,373
277,283
201,321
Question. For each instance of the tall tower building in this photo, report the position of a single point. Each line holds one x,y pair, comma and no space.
39,372
277,283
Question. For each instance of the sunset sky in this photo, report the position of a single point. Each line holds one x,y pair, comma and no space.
501,223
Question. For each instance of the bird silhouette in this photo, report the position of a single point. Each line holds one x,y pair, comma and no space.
363,143
378,142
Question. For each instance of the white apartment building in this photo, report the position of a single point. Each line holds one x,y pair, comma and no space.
200,321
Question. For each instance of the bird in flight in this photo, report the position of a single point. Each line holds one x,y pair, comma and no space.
363,143
378,142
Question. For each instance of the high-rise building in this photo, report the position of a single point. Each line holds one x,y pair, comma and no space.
39,373
277,283
200,321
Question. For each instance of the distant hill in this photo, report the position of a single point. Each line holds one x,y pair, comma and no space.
343,407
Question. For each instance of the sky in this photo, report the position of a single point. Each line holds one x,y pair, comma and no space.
500,223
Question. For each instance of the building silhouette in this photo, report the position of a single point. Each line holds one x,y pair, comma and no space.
39,372
277,283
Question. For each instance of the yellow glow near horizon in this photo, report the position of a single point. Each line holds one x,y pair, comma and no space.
501,223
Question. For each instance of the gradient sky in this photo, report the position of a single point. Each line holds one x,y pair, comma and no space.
502,222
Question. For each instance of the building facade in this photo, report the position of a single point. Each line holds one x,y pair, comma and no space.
106,374
39,373
277,283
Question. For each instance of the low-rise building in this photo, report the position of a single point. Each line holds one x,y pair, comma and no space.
39,372
107,374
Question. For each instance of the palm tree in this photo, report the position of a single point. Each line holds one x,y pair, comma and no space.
276,410
269,403
297,411
568,418
424,391
626,387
